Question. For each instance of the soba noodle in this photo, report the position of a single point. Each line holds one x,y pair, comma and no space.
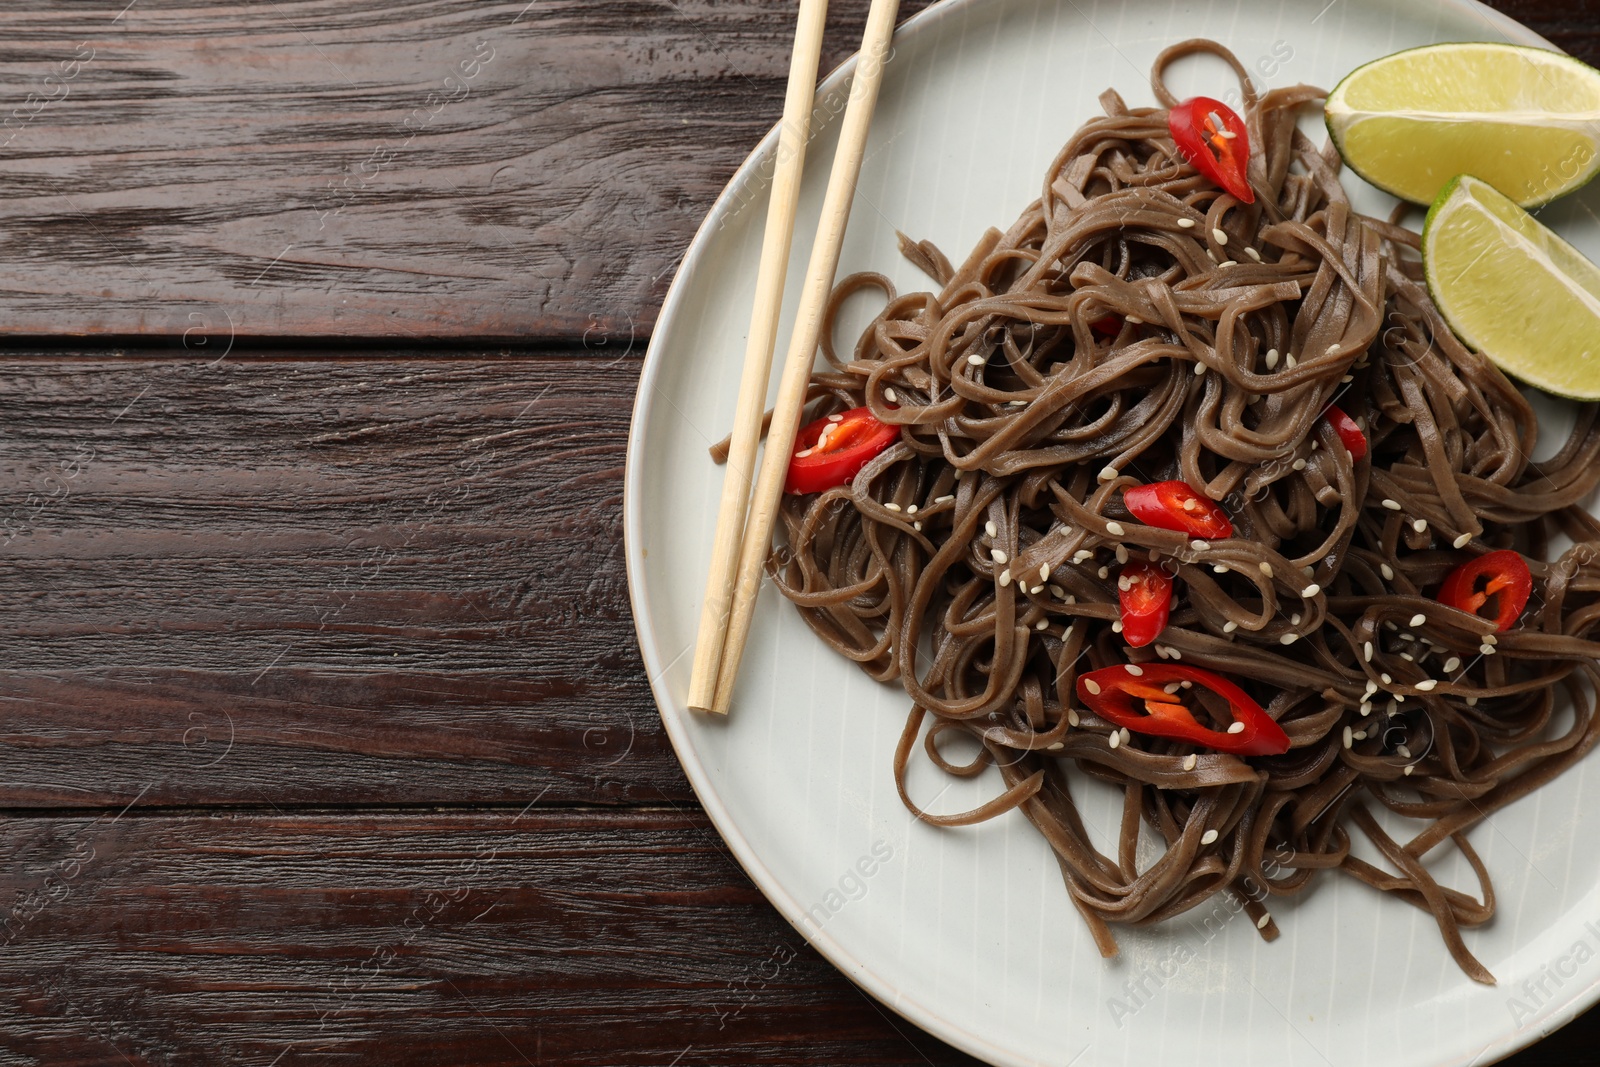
1020,427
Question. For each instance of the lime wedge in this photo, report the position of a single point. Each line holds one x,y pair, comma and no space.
1513,290
1525,120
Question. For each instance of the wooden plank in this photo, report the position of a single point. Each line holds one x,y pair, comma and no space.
376,580
486,938
350,168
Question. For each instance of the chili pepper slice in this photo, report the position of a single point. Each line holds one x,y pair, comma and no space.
1214,140
1175,506
1111,691
833,449
1355,442
1107,325
1501,574
1144,591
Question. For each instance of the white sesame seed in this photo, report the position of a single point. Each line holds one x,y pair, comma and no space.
1387,572
1123,583
1299,464
991,529
1311,590
1366,651
1399,699
1402,751
1252,253
912,510
835,418
1229,263
1208,837
1115,739
1490,639
1366,708
1371,686
1385,678
1408,657
1072,713
1391,503
1451,664
1294,620
1360,735
1199,368
1187,224
1217,568
1408,770
1135,670
1044,571
1261,923
888,394
1236,728
1462,542
1420,525
1103,573
892,506
1408,637
1288,639
1057,747
1333,348
1189,761
1349,737
1418,619
1272,358
1116,627
916,525
1109,474
803,453
1042,624
1472,702
1289,360
1035,591
999,556
1427,685
943,499
1081,555
1266,568
1174,653
1057,591
1200,546
976,360
1487,650
1219,236
1136,320
1115,529
1122,554
1229,626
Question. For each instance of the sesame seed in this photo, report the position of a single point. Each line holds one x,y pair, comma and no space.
1399,698
1035,591
1402,751
1386,679
1391,503
1200,546
1472,702
1490,639
1103,573
1387,572
1289,360
1057,591
1333,348
888,394
1187,684
1174,653
999,556
1360,735
803,453
1408,657
976,360
1236,728
1081,555
1311,590
991,529
1136,320
1044,571
1272,358
1219,236
1418,619
835,418
1294,620
1042,624
1266,568
1199,368
1371,687
1115,529
1349,737
1347,378
1109,474
1408,637
1116,627
1208,837
1229,626
1487,650
1135,670
1451,664
943,499
1123,583
1261,923
892,506
1288,639
1072,714
1229,263
912,510
1122,554
1427,685
1218,568
1252,253
1420,525
1366,651
1408,770
1462,542
1366,708
1187,224
1299,464
1057,747
916,525
1189,761
1115,739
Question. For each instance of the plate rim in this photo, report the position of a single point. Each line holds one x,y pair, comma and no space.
672,715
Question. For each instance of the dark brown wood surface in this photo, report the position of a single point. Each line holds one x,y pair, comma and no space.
323,731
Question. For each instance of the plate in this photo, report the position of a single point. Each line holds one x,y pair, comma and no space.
968,932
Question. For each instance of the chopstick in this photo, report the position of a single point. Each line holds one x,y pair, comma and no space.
793,135
803,343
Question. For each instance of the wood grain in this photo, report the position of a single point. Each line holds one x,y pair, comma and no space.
348,168
489,938
377,580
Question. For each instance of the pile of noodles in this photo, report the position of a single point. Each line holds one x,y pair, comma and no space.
1021,426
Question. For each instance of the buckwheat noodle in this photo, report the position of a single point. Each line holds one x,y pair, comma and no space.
1020,427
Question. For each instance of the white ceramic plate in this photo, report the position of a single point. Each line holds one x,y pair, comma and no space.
968,932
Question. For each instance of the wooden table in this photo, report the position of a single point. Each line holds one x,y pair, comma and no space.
326,738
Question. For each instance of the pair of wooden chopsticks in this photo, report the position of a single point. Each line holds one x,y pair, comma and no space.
742,542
